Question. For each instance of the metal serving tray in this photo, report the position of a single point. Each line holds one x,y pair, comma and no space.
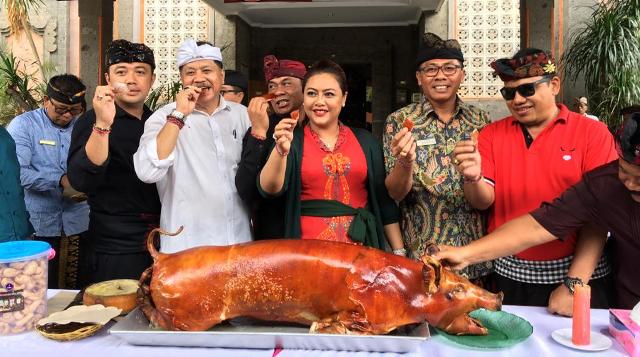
246,333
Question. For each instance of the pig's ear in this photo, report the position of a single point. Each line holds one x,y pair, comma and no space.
431,271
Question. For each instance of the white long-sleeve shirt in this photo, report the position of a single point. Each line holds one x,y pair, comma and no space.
196,182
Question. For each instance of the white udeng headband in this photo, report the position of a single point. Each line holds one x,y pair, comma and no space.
189,51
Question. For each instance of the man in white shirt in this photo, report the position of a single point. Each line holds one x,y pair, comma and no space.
191,149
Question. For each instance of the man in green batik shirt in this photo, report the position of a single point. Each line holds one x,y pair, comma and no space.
418,144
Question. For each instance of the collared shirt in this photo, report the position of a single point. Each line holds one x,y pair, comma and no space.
14,219
524,177
123,208
435,209
42,149
601,198
196,181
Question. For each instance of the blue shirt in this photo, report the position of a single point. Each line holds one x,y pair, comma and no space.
14,219
42,149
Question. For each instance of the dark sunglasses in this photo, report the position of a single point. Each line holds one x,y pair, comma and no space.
525,90
223,91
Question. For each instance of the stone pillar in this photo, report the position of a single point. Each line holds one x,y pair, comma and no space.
96,32
223,33
126,19
550,25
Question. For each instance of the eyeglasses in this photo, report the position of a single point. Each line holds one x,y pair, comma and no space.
65,110
223,92
447,70
525,90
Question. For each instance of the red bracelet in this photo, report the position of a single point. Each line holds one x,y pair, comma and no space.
173,120
101,131
280,153
259,137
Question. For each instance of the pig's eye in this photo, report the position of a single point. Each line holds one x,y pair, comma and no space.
449,296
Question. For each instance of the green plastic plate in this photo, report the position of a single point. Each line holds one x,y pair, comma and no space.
505,330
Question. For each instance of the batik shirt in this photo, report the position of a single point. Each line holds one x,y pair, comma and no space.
435,209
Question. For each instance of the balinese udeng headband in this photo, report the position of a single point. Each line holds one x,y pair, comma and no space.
59,96
536,64
189,52
433,47
274,68
128,52
628,139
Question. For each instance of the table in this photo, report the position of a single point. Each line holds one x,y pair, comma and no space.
103,344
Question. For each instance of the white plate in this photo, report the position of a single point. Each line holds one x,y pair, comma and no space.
599,342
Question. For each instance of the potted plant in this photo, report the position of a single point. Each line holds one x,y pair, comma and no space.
606,53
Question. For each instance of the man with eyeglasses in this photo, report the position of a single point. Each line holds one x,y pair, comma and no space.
528,158
284,83
42,138
608,196
123,208
418,143
235,86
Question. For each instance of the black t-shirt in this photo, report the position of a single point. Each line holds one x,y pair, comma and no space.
123,208
601,198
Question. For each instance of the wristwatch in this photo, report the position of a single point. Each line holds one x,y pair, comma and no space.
570,283
178,115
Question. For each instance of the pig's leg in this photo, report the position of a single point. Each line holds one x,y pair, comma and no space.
345,322
465,325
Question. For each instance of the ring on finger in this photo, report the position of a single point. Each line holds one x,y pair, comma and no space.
274,137
456,161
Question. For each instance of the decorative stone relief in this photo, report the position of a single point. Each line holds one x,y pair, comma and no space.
486,30
42,24
167,23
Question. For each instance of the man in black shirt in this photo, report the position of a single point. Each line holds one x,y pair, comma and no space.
100,163
284,81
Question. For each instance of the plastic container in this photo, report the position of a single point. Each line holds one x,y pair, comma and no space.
23,285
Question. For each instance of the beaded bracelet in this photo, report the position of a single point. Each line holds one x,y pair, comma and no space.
101,131
401,251
173,120
281,153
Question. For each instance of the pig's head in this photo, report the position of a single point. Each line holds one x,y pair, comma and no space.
451,298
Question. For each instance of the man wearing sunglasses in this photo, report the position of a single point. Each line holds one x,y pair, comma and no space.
418,144
42,139
608,196
528,158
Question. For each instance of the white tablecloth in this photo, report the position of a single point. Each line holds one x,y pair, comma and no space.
103,344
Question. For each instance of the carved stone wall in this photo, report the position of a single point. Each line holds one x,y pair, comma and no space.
45,32
167,23
486,30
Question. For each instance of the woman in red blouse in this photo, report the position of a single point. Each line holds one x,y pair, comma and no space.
332,175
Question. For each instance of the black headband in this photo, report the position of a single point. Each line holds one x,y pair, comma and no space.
128,52
58,95
433,47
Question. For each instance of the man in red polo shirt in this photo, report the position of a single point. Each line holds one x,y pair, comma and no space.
530,157
608,196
